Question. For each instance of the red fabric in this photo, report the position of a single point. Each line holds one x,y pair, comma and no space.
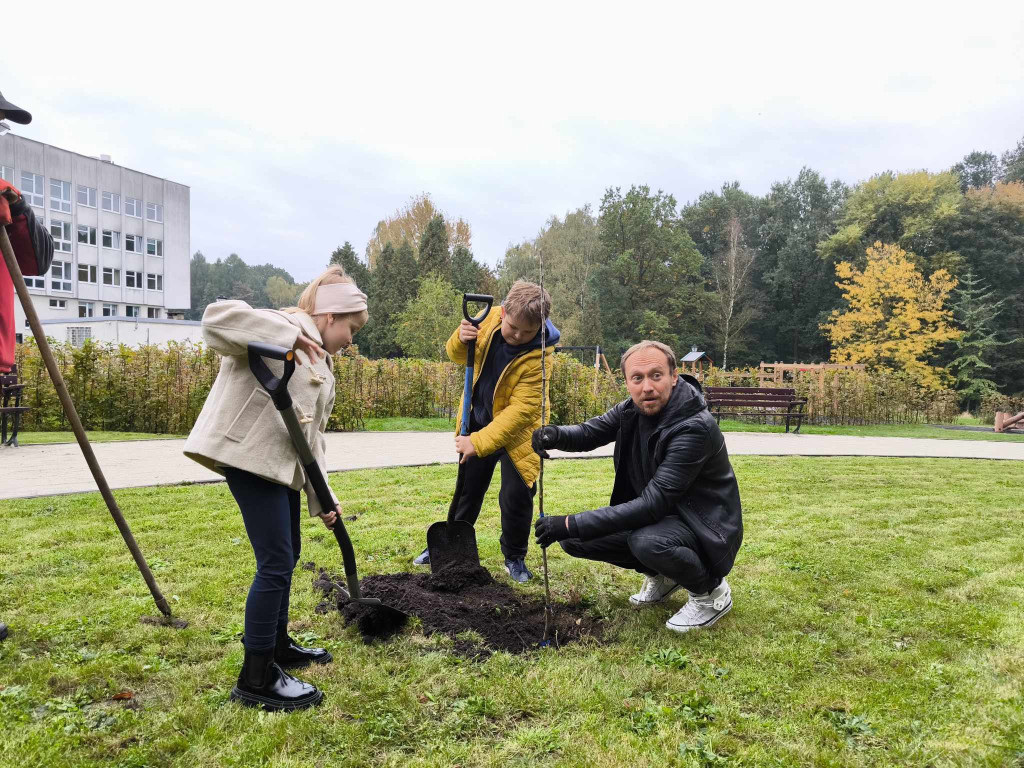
21,243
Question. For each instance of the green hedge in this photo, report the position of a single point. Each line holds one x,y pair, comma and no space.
162,389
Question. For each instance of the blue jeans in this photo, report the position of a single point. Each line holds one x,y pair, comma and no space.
667,547
271,515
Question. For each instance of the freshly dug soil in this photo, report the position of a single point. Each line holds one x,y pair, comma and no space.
459,598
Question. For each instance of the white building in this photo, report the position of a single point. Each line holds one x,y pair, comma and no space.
121,246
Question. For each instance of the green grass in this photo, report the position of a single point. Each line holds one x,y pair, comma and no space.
410,425
879,430
877,622
95,436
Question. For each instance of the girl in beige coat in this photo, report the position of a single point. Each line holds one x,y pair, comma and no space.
240,435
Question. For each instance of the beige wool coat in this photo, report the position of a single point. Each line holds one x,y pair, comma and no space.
239,425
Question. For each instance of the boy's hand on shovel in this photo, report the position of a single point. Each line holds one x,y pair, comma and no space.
465,447
467,332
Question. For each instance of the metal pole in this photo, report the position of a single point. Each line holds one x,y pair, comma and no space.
76,424
540,479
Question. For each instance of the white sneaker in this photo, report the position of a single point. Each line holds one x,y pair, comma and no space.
702,610
654,590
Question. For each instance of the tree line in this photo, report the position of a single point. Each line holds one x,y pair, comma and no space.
784,276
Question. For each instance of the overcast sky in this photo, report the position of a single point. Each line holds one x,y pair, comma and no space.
299,128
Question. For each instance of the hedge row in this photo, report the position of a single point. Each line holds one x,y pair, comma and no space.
161,389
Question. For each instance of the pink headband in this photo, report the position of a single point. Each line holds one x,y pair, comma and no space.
339,298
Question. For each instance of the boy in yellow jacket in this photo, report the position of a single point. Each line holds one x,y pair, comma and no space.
504,412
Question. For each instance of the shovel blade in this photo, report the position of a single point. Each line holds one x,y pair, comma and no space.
450,543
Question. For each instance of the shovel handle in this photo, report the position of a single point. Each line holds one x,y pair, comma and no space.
276,387
476,298
278,391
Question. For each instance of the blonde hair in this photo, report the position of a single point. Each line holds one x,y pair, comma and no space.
528,301
647,344
333,274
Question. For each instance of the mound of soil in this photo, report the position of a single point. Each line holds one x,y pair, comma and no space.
459,598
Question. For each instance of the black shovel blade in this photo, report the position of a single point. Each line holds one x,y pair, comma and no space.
453,542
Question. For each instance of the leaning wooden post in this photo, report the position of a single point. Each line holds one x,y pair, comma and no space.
76,424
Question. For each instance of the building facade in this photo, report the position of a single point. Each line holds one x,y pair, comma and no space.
121,243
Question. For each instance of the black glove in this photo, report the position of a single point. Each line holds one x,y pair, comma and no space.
544,438
550,529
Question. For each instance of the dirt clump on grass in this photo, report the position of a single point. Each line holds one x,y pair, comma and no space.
461,598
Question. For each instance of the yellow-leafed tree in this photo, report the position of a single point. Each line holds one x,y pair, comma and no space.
894,317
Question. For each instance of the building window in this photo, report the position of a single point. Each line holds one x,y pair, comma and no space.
132,279
32,188
7,173
155,282
86,309
77,335
131,310
86,234
61,233
87,273
87,196
60,196
111,276
133,207
154,212
60,276
110,310
153,313
58,303
111,202
133,243
111,239
154,247
36,282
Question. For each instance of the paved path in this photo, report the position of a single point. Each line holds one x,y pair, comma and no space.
37,470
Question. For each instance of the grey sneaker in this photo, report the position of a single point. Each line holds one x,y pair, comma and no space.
423,558
654,590
518,571
702,610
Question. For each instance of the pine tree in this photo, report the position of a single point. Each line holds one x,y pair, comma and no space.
353,266
433,254
976,312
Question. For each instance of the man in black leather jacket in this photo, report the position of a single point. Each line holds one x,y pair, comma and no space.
675,511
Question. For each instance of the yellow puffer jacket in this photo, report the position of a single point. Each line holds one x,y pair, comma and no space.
516,399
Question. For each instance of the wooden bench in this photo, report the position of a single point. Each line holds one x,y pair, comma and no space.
756,401
10,406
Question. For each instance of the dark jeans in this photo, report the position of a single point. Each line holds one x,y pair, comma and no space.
271,515
667,547
515,499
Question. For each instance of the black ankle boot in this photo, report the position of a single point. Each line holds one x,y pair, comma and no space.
262,683
290,655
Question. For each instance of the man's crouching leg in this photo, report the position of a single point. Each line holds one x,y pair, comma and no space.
669,549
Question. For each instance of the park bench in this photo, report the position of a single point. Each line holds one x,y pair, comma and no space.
756,401
10,406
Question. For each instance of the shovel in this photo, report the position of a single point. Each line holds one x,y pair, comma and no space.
277,388
455,540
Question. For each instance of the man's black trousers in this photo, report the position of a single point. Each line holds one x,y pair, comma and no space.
667,547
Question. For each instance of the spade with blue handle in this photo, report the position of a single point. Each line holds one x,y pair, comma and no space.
455,540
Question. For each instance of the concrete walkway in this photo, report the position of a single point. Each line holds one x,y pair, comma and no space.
43,470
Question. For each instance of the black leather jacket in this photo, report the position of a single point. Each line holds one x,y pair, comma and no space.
693,477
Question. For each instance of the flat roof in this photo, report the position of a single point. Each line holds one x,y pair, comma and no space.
132,320
92,157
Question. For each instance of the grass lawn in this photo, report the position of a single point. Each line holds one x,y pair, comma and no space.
881,430
410,425
95,436
877,622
